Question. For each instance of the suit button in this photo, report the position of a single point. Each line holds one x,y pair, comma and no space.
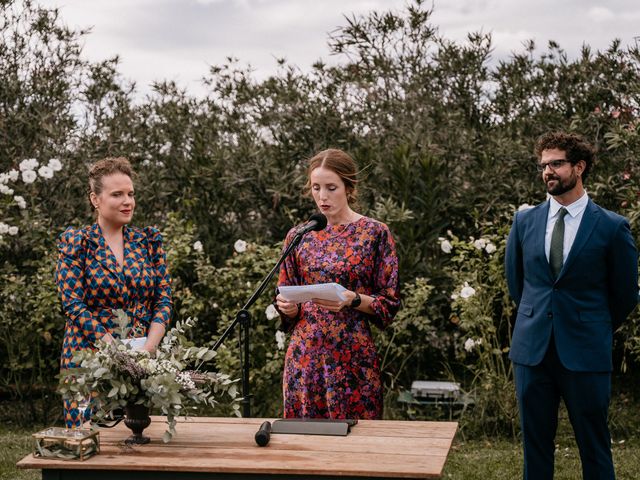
549,315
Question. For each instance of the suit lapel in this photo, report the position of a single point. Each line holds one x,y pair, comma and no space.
540,228
587,224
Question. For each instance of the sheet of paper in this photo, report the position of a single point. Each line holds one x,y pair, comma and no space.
136,343
304,293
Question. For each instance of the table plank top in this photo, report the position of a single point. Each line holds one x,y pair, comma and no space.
374,448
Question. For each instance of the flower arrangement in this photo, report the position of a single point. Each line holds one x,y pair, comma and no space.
171,381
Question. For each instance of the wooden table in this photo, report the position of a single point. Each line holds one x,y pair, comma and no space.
224,448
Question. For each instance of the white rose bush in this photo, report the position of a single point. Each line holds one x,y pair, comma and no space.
21,180
481,310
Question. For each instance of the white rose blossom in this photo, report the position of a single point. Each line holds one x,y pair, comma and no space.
45,172
271,312
20,201
240,246
165,149
197,246
490,248
13,175
445,245
55,165
28,164
280,337
29,176
4,228
480,243
13,231
4,178
467,291
6,190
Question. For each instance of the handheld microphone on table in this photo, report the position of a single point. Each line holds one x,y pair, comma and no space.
263,435
316,222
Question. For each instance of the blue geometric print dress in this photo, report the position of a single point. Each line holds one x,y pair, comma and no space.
91,284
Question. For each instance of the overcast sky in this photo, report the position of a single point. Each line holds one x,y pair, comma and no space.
180,39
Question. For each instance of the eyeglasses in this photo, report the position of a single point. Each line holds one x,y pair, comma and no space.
553,164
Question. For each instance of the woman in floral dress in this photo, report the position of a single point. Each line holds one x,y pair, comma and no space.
332,369
110,266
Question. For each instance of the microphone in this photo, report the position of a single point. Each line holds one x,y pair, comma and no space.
263,435
316,222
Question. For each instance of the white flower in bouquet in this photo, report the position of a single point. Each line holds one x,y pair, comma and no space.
28,164
20,201
29,176
13,231
271,312
280,337
469,344
240,246
45,172
467,291
55,165
197,246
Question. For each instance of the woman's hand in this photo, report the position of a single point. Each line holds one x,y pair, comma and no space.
286,307
147,347
336,306
107,338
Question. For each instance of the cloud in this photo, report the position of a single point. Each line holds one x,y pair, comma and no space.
600,14
179,39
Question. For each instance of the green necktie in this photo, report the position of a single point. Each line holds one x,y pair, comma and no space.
557,241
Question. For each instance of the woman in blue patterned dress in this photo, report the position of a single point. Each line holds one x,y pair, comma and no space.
111,266
332,369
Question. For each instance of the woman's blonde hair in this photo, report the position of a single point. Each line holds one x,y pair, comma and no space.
104,168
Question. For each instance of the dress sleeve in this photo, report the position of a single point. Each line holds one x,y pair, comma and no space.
162,303
289,276
72,254
386,290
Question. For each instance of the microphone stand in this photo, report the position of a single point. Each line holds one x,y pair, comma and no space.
243,318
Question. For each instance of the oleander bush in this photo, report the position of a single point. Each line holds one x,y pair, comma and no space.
443,134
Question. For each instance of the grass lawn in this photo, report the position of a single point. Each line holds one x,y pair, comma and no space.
502,459
477,459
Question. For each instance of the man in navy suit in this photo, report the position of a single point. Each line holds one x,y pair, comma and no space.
572,269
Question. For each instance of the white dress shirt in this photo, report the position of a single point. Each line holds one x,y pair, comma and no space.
571,223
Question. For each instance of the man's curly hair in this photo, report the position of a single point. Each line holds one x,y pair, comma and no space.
575,146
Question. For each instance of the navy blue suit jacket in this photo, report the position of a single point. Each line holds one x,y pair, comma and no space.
593,294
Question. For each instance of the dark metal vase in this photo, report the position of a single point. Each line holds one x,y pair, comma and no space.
137,419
